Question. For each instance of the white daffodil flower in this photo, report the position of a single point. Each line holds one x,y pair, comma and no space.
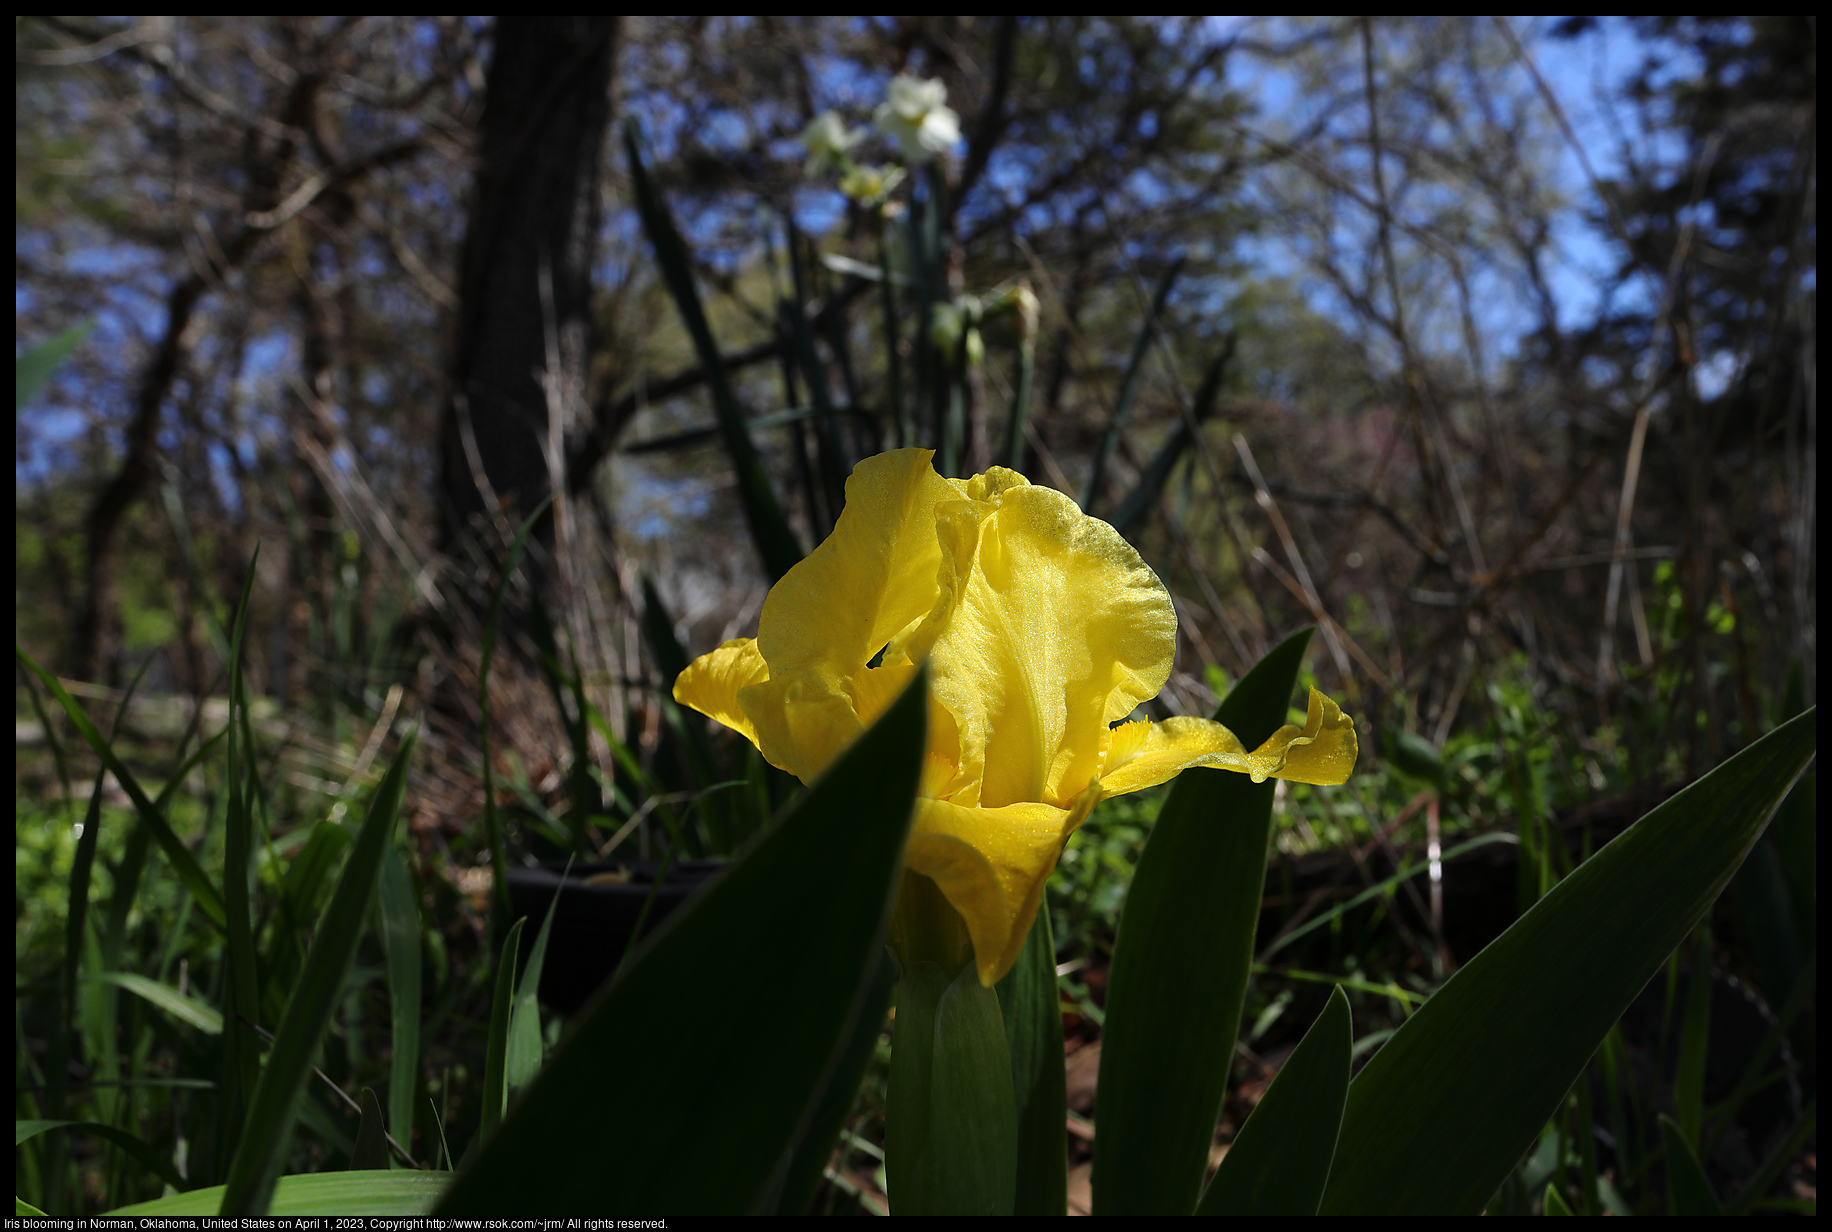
915,115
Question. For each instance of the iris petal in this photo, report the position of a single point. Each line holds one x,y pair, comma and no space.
1143,755
831,614
711,683
1058,628
991,864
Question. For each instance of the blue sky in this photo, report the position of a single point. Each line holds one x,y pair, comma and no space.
1578,72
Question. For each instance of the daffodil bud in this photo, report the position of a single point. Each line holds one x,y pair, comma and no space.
829,143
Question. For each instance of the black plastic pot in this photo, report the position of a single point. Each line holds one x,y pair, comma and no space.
598,909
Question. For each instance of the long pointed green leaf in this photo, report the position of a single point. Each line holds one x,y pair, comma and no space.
1688,1190
770,530
1032,1009
788,937
1280,1161
1436,1120
1129,389
275,1105
809,1162
241,1056
141,1153
1180,965
400,919
1145,493
371,1150
496,1050
321,1193
198,1013
209,900
527,1048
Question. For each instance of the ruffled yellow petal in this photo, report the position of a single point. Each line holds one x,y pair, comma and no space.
1142,755
1057,628
711,683
831,614
1324,752
991,864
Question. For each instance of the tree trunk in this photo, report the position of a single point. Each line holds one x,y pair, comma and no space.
523,341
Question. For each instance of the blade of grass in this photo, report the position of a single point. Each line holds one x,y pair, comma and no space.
1180,965
499,860
496,1052
209,900
76,936
136,1148
400,928
187,1009
1688,1192
250,1184
242,993
526,1048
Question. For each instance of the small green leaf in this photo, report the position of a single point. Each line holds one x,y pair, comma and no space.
1554,1203
1280,1161
1688,1190
1435,1121
187,1009
371,1139
789,935
1180,965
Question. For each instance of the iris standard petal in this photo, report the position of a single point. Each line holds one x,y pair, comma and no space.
830,615
991,864
711,683
1057,628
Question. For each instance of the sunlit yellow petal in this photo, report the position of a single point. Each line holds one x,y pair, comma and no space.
991,865
1058,629
1325,752
1322,751
711,683
832,613
1144,754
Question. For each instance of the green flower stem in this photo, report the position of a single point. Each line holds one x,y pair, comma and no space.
951,1137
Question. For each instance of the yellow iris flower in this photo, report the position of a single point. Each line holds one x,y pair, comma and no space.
1043,629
